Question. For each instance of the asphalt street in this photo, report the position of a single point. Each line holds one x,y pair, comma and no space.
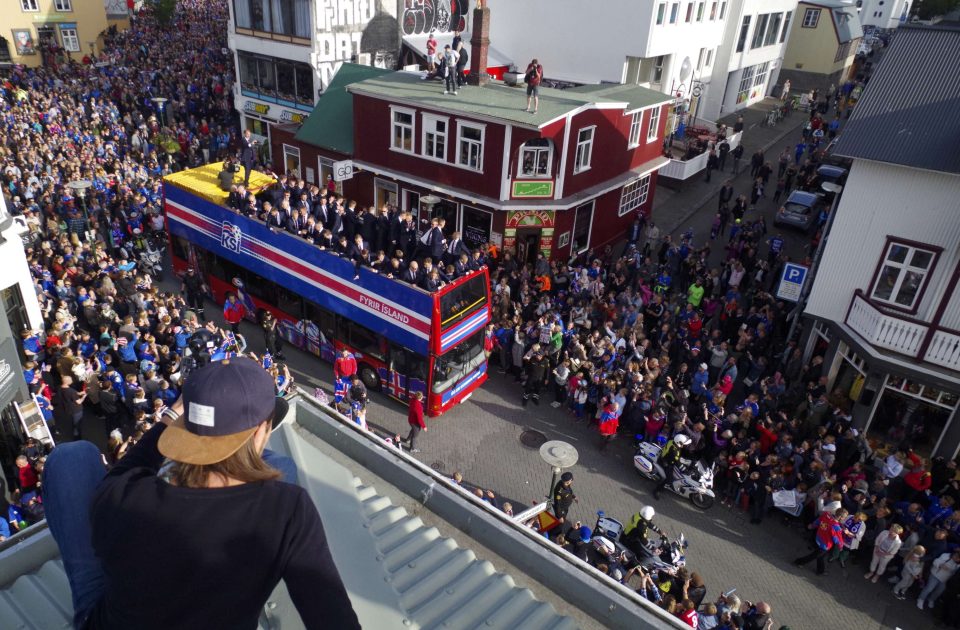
481,440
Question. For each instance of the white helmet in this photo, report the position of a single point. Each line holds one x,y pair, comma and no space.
646,512
604,546
681,440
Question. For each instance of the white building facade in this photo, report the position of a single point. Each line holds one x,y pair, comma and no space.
287,51
748,61
668,46
884,14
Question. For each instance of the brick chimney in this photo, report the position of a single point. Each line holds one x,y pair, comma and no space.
479,45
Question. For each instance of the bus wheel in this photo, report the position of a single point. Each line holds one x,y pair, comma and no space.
370,378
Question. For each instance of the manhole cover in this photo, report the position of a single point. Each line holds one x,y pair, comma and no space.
532,439
437,466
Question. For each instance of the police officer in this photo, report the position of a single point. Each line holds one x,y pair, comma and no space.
636,533
563,496
195,289
669,456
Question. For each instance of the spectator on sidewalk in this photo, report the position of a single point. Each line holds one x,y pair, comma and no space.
415,420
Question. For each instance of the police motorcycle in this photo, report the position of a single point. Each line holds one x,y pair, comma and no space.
665,555
691,480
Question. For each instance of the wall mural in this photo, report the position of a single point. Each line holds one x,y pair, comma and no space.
434,16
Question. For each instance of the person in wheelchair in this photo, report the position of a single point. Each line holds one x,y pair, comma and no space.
637,533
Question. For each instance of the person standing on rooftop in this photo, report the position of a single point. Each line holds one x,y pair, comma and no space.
533,77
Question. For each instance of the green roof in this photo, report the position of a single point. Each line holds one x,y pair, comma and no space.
635,96
330,125
499,101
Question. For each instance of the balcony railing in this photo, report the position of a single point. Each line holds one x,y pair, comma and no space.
904,335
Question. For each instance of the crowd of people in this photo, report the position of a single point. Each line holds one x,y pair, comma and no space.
384,240
661,344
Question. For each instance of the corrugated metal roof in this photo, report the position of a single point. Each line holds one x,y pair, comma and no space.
908,112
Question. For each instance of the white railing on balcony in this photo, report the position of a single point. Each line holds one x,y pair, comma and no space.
885,331
684,169
944,350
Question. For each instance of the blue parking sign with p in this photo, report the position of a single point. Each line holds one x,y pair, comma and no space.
791,282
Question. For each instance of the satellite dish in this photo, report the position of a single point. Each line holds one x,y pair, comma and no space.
685,69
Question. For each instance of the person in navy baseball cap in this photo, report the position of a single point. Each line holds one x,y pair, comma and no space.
224,404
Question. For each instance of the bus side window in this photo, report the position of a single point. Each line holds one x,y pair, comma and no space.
416,366
324,319
363,340
289,302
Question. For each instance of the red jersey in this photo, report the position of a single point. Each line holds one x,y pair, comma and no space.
344,366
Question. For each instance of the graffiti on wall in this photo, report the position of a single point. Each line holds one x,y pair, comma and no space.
434,16
348,28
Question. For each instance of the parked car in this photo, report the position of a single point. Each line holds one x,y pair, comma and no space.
801,211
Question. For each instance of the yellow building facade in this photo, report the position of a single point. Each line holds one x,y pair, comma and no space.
824,37
38,32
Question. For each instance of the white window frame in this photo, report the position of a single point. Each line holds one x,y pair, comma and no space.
573,242
411,127
582,160
461,126
674,12
723,10
701,7
713,11
290,150
688,17
661,13
536,150
324,164
634,194
30,6
63,6
709,62
653,125
636,119
904,268
429,128
70,38
811,17
388,188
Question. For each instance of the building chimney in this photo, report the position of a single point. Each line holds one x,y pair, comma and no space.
479,45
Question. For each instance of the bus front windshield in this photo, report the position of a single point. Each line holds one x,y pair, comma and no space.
463,300
458,362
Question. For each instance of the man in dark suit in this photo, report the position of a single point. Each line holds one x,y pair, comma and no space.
455,248
436,243
274,220
248,155
412,274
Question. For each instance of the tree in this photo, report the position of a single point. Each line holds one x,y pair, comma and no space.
164,10
928,9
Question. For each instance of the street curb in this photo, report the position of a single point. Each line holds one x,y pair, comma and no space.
673,229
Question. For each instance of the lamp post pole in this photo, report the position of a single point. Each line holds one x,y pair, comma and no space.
160,102
79,188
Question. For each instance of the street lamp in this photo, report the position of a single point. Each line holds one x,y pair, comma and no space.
558,455
835,189
160,102
79,188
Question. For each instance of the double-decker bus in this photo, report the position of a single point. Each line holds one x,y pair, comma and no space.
405,339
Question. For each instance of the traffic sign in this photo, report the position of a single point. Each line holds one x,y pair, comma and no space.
792,281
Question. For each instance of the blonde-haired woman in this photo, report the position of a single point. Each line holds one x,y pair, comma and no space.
912,569
885,547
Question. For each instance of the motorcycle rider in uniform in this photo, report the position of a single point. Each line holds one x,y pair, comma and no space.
667,459
636,533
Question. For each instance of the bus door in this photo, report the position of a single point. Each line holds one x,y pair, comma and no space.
406,373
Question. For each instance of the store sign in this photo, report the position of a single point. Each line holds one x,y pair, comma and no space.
252,107
291,117
530,218
791,282
533,190
10,375
342,170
